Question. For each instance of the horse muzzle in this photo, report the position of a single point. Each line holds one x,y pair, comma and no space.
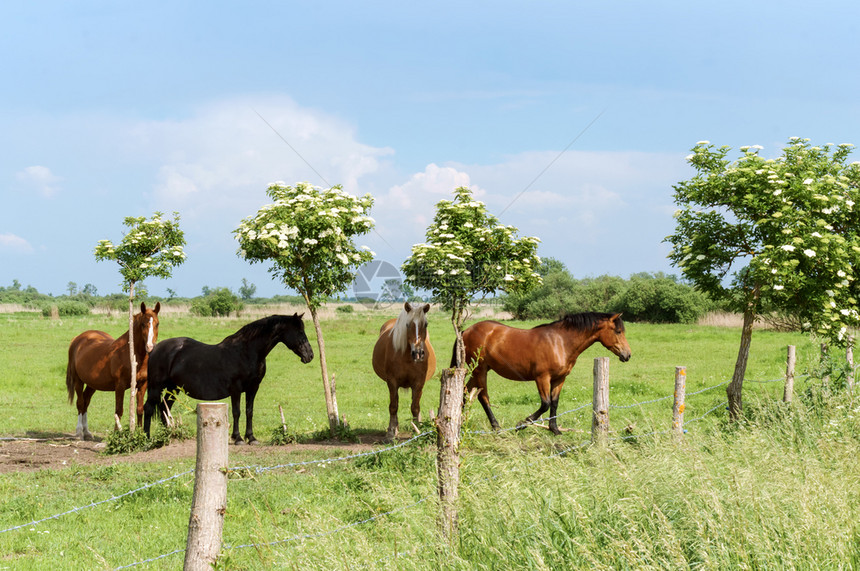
307,354
624,356
418,354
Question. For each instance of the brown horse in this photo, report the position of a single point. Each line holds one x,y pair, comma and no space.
544,354
404,359
98,362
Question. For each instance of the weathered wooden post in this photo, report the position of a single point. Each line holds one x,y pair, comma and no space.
678,406
210,488
790,362
448,424
600,402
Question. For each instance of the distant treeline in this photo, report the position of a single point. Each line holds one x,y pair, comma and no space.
649,297
81,301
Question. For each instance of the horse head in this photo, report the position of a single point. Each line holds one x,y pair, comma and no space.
146,325
296,340
611,335
416,331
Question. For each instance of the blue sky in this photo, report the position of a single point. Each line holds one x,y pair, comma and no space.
114,109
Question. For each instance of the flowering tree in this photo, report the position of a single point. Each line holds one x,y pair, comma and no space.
150,248
778,233
307,235
467,254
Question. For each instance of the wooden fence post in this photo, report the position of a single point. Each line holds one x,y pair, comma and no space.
448,424
678,406
600,402
210,488
790,361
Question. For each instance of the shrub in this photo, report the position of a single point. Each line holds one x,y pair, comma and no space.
659,298
219,302
656,298
66,308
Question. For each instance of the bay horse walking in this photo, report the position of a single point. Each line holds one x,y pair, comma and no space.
234,366
404,358
544,354
98,362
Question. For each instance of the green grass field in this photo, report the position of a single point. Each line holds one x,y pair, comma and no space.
778,491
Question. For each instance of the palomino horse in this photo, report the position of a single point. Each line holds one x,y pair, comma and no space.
234,366
544,354
404,359
98,362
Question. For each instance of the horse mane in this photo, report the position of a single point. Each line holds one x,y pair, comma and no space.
258,328
586,321
399,330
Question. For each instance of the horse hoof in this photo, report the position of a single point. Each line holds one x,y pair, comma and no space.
391,435
239,442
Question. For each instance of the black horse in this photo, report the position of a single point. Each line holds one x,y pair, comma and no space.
234,366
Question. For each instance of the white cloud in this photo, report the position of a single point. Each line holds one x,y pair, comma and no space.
431,185
221,159
14,244
40,179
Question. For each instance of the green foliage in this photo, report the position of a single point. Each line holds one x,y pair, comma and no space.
468,253
282,435
219,302
654,298
784,231
247,290
347,309
306,235
661,299
150,248
66,308
126,442
340,432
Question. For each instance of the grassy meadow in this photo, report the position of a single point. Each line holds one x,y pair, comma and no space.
778,491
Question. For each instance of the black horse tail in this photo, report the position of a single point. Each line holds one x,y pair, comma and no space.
454,355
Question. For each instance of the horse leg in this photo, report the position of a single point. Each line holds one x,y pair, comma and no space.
479,381
85,393
119,395
416,403
543,386
235,400
250,394
393,403
553,406
141,399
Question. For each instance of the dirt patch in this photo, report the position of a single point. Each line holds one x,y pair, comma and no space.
59,452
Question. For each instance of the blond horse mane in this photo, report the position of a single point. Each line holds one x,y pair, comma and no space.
399,337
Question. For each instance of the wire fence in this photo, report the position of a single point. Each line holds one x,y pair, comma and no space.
258,469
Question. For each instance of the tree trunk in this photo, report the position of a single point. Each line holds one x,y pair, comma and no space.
330,399
132,400
734,391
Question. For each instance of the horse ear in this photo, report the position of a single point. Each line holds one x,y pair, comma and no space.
426,308
157,307
616,316
407,307
143,307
